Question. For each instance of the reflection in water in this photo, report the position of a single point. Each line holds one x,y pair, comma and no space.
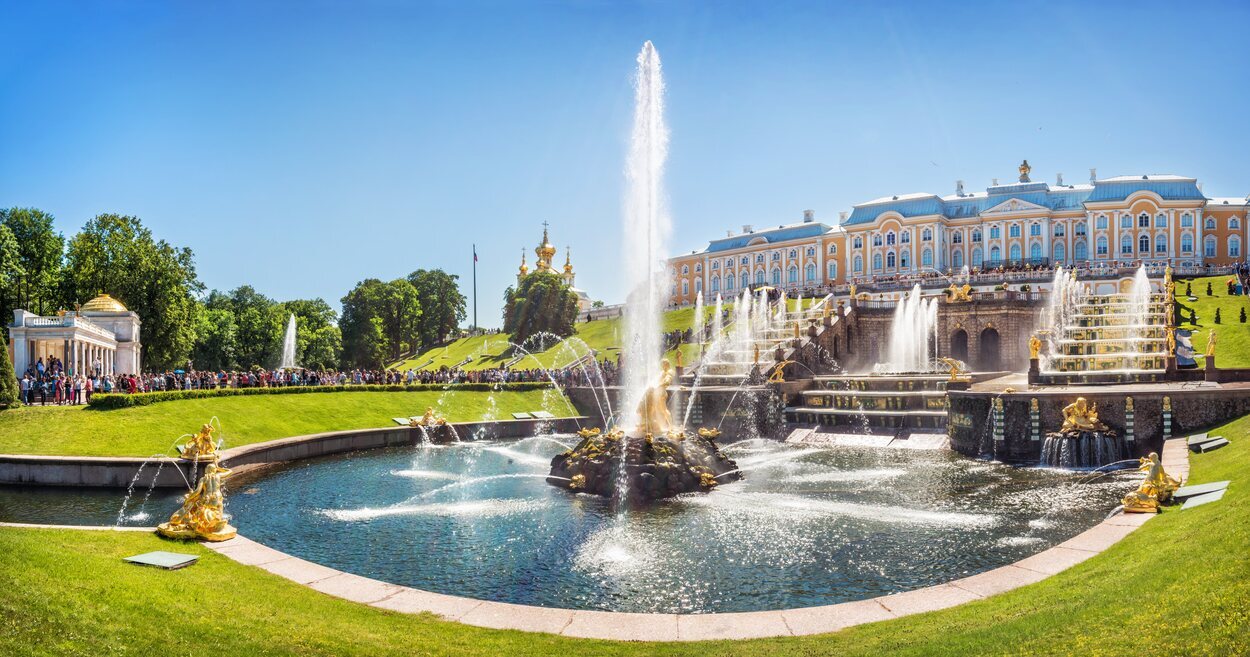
808,526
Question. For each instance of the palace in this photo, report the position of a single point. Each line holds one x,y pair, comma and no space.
1105,222
545,252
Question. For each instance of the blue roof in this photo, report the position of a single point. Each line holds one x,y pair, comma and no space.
1170,189
779,234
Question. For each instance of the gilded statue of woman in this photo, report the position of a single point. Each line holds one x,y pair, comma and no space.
653,414
1081,416
203,511
201,447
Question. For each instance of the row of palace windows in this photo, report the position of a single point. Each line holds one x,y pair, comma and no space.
744,280
759,258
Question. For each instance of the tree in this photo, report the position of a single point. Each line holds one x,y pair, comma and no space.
541,303
11,273
1217,315
216,339
380,322
318,341
442,305
8,381
1189,289
1208,288
36,283
1243,315
117,255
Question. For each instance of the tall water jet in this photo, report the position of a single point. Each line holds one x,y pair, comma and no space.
646,232
912,328
288,345
697,326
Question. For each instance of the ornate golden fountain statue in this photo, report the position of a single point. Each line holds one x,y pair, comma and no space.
1155,489
960,294
1081,416
1211,344
203,511
779,372
956,366
430,419
201,447
653,415
1035,346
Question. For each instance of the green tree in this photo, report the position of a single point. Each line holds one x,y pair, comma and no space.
118,255
216,339
318,341
442,305
11,274
8,380
259,323
380,322
36,282
541,303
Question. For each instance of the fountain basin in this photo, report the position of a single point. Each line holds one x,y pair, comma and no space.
1082,449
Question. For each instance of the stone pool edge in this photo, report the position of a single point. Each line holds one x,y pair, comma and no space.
622,626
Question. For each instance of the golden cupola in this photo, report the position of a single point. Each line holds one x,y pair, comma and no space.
524,269
545,252
103,303
568,260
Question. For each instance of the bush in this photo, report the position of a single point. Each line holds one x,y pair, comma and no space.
1026,287
1217,315
8,381
1193,316
1208,288
1243,315
109,401
1189,289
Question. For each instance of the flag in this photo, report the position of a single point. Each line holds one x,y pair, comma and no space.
474,253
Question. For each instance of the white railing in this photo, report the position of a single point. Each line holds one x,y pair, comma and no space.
69,321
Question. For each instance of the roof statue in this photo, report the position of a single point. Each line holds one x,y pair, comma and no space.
1024,171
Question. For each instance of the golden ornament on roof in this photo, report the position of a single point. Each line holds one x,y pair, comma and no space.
104,303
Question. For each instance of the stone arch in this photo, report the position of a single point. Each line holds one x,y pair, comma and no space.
988,351
959,345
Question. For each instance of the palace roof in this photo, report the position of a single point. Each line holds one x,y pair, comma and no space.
769,235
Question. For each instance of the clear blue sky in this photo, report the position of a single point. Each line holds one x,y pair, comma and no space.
301,147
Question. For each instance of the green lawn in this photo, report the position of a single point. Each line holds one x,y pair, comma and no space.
148,430
1232,346
1180,585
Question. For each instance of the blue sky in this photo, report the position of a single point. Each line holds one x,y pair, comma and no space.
301,147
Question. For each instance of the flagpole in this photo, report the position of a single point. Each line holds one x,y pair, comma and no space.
475,326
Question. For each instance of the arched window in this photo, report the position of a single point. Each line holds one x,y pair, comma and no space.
1035,251
1234,247
927,235
1013,230
716,283
698,268
1208,246
904,259
685,288
729,262
1161,243
729,282
889,237
996,256
1015,253
792,274
1057,253
876,261
876,239
1143,244
857,264
926,258
1080,229
906,237
857,243
1102,245
810,272
833,270
1187,244
1080,251
1143,220
746,280
715,264
957,259
976,257
833,249
976,235
1209,224
1234,223
1126,245
889,260
957,237
1126,221
685,269
776,276
1161,220
776,256
1035,229
759,277
1059,230
995,232
759,257
794,253
1187,220
1101,222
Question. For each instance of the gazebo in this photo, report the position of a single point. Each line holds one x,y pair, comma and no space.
101,335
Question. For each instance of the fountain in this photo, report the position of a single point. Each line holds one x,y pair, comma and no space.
288,345
203,511
1155,489
911,335
434,428
1083,441
201,447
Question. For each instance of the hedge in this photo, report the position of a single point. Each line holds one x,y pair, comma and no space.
107,401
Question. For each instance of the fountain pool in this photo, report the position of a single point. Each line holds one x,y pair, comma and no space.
807,526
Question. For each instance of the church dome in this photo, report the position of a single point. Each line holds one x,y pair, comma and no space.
104,303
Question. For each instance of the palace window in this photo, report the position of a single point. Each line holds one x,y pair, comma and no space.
685,288
957,259
957,237
1187,220
904,259
876,239
746,281
776,256
889,260
1187,244
685,269
857,243
1035,230
976,257
1161,220
1143,244
1143,220
889,237
698,268
858,264
792,275
1208,247
833,270
1126,245
1234,223
1059,230
1210,223
1035,251
729,282
715,264
1013,230
811,252
1080,251
716,283
876,261
1101,248
794,253
1126,221
1015,253
1080,229
698,285
759,277
976,236
729,262
1161,243
1058,253
995,232
776,277
1101,222
926,258
996,255
810,272
759,257
833,249
906,238
1234,247
927,235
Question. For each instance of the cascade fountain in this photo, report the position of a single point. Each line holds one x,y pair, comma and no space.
911,332
648,455
288,345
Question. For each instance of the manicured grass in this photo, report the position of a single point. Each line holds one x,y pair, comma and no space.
1232,346
1180,585
148,430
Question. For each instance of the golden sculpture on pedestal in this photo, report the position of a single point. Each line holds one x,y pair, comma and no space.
679,363
203,511
1171,341
1035,346
653,415
955,366
756,357
959,294
429,419
201,447
1211,344
779,372
1154,490
1081,416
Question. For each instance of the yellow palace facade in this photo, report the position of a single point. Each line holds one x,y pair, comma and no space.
1105,222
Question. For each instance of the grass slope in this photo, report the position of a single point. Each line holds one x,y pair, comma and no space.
1232,347
148,430
1180,585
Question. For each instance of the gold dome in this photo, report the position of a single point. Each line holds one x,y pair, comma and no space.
568,261
104,304
545,251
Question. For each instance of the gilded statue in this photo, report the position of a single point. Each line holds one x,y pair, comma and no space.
779,372
1082,416
653,415
1155,489
1171,341
201,447
1035,346
955,366
203,511
959,294
430,419
1211,344
679,363
756,358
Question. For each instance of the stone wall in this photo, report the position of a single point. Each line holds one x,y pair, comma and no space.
748,412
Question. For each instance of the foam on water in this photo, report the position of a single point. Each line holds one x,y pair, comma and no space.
850,475
472,508
426,474
798,507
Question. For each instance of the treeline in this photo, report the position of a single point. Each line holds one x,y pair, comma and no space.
43,272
